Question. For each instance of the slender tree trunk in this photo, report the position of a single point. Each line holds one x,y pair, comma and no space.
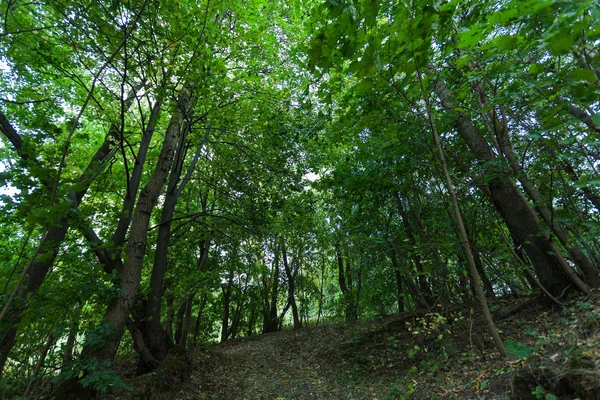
589,270
587,192
271,324
521,220
226,289
464,238
291,276
39,365
170,316
117,313
399,292
153,330
487,285
187,321
40,264
345,282
421,278
199,319
282,316
415,293
439,275
321,284
252,319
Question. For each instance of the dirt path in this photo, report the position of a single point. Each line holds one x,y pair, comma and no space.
281,365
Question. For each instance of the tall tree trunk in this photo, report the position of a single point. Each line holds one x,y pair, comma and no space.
421,278
226,289
464,238
118,312
590,271
399,292
237,315
270,321
415,293
199,319
587,192
153,331
39,365
321,284
487,285
179,317
345,282
521,220
170,316
291,277
41,262
187,320
252,319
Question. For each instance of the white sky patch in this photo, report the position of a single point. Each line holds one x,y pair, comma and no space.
311,177
7,189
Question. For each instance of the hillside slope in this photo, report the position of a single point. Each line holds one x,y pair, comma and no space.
421,356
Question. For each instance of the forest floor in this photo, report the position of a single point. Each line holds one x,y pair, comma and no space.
427,356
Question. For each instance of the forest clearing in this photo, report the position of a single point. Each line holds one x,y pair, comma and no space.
337,199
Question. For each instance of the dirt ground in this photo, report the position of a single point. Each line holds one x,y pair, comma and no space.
401,356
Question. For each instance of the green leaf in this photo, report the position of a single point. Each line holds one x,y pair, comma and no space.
517,349
582,74
505,42
561,43
535,69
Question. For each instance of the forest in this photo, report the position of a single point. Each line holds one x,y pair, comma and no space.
175,174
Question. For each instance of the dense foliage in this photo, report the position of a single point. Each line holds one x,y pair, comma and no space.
175,173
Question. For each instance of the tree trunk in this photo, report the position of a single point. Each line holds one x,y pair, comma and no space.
153,331
321,284
252,319
514,208
589,270
487,285
180,316
187,321
199,319
39,365
291,277
345,282
226,288
421,278
40,264
464,238
415,293
170,316
587,192
118,312
399,293
270,321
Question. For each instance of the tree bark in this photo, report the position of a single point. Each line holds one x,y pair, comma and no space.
226,288
291,277
345,282
39,266
271,289
421,278
589,270
153,330
199,319
518,215
118,312
464,238
39,365
415,293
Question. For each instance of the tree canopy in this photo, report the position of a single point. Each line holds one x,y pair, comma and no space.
176,173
